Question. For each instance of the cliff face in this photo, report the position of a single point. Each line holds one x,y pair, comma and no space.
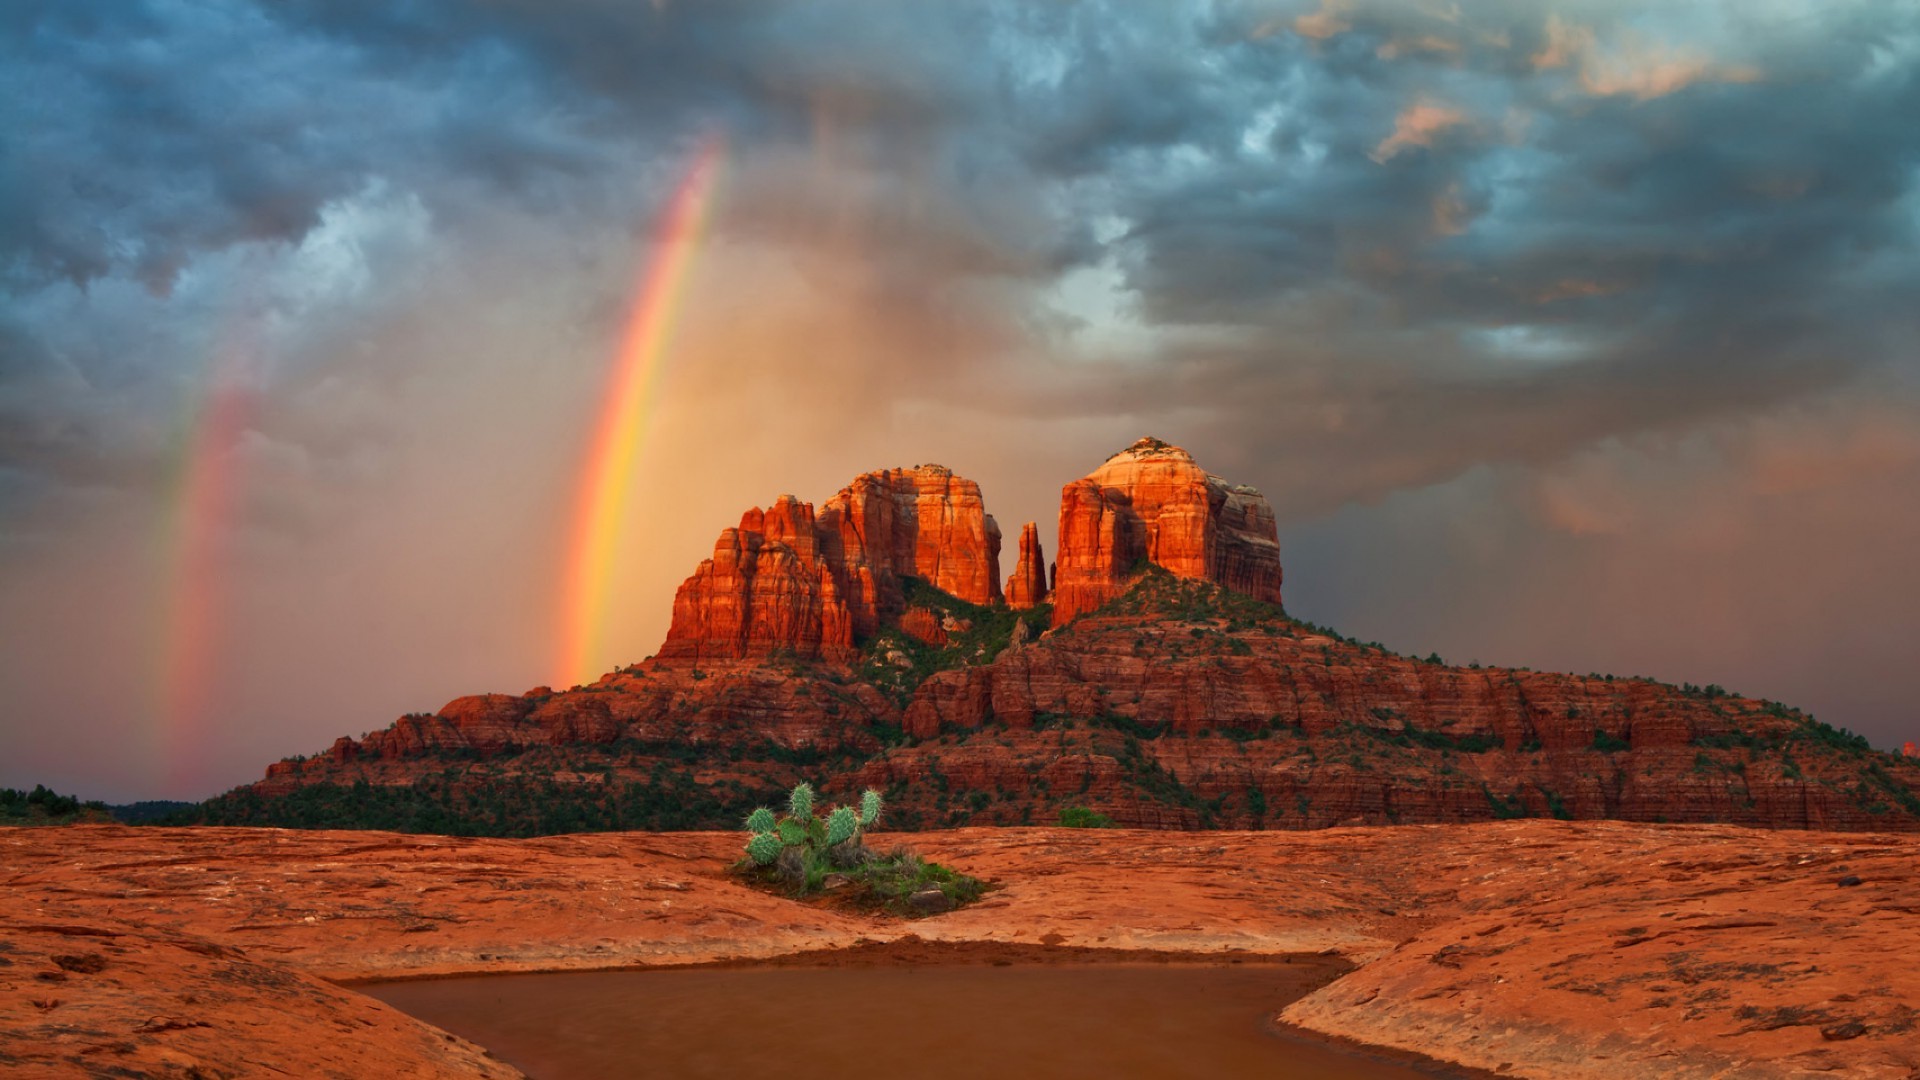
789,582
1152,502
1172,691
766,588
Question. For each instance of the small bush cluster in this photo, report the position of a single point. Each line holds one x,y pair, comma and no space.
1083,817
802,850
43,804
801,847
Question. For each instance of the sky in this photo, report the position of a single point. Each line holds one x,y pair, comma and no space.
1573,334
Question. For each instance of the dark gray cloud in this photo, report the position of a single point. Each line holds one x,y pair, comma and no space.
1365,254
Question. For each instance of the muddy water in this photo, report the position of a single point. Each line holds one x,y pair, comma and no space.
977,1021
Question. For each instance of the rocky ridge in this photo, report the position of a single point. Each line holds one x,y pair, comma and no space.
870,644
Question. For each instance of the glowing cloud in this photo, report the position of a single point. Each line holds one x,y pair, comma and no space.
1416,125
608,475
1326,22
1632,67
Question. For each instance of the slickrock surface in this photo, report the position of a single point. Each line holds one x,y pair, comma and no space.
1152,502
1535,948
1607,949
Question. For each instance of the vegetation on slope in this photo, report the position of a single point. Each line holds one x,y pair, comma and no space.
897,662
44,806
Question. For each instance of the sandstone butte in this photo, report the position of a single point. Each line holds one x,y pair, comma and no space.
1151,502
1548,949
790,582
869,644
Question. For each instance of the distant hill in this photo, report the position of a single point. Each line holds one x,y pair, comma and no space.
43,806
151,811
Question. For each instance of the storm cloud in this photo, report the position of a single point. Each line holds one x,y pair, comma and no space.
1575,334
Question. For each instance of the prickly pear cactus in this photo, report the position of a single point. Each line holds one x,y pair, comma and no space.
800,802
763,848
841,825
869,808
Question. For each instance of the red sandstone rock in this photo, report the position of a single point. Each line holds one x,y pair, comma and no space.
486,722
925,625
1028,585
1152,502
1274,724
1582,950
1910,750
922,522
786,582
766,589
1266,723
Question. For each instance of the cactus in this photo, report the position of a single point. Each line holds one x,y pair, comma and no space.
800,846
841,825
800,802
764,848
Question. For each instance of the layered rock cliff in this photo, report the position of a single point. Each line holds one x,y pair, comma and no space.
1151,503
789,582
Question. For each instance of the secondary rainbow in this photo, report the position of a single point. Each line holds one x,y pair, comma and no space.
202,506
607,479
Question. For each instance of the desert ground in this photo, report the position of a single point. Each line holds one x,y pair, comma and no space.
1525,948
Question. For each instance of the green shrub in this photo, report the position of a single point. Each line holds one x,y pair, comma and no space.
1082,817
800,851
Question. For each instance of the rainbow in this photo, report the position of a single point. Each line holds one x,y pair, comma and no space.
608,476
202,504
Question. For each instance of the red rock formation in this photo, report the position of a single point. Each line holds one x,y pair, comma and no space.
922,623
1267,722
788,582
1910,750
1028,585
1150,501
765,589
922,522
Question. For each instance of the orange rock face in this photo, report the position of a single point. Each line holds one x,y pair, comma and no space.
1151,502
789,582
1028,585
1541,949
922,522
925,625
1910,750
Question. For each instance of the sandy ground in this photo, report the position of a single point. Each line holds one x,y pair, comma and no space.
1530,948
